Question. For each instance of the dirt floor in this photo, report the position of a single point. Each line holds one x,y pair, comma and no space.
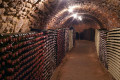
81,63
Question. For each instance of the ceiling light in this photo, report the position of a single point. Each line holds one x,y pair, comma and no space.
70,9
75,15
80,18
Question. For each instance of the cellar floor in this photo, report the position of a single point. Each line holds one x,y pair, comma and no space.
81,63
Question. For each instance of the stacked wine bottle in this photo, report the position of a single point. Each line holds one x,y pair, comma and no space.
102,47
74,37
113,52
50,54
66,39
60,45
20,55
32,55
71,39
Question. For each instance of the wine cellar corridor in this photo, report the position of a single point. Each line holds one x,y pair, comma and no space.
59,39
81,64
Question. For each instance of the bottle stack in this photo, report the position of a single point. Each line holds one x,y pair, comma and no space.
102,47
38,73
32,55
5,53
50,53
74,37
66,39
60,45
113,52
71,40
20,55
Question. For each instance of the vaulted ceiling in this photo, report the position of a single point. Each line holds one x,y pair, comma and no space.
23,15
104,12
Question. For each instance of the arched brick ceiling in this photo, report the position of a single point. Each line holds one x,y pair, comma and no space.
106,11
79,26
23,15
69,21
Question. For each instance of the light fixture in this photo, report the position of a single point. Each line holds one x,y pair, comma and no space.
74,15
80,18
70,9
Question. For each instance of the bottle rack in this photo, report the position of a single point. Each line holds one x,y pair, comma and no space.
20,55
60,45
50,53
32,55
74,37
113,52
71,39
102,48
66,39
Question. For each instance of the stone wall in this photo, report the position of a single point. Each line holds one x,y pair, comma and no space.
22,15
